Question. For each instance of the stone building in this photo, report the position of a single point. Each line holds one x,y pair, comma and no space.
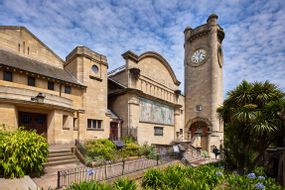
144,93
78,99
203,65
62,99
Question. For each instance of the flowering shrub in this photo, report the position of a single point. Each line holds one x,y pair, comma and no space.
178,177
259,186
251,182
251,176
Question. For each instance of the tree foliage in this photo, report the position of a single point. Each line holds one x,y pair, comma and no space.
252,115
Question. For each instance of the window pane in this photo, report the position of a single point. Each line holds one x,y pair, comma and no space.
31,81
40,120
64,121
89,123
99,124
7,76
75,123
50,85
158,131
67,89
26,119
94,124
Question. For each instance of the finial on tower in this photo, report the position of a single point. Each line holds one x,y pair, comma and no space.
212,19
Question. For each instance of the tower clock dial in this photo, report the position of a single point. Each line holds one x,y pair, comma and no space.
199,56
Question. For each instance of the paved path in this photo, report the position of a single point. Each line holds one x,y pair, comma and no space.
25,183
49,179
202,161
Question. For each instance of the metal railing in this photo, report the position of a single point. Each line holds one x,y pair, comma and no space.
107,171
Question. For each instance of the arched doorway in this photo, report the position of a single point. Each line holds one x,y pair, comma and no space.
199,134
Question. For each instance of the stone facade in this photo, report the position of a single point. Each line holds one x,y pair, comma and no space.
66,114
148,76
77,99
204,84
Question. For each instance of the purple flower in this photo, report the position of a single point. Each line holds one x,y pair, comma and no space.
259,186
261,177
251,175
90,171
219,173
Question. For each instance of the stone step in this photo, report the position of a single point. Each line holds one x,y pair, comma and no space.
64,157
62,162
57,154
59,150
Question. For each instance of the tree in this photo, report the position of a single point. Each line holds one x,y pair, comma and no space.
253,121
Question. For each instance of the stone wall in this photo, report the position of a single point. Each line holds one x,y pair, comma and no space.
23,42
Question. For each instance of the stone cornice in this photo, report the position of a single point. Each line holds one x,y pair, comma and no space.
142,94
88,53
131,55
198,35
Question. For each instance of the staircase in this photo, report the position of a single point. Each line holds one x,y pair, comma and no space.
59,155
191,154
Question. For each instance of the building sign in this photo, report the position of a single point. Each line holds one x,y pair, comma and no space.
154,112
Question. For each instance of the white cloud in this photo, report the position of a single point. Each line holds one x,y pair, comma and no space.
253,47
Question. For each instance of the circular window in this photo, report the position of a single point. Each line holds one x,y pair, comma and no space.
95,68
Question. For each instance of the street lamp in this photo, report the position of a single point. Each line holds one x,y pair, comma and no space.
39,98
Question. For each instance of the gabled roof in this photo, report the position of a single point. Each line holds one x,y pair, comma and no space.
112,114
116,83
35,37
36,67
117,70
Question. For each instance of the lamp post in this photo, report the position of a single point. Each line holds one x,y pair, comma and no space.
39,98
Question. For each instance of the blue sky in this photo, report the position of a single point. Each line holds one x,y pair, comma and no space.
254,46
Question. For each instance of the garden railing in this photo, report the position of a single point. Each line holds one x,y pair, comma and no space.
107,171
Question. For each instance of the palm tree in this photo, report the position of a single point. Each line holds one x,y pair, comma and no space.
251,114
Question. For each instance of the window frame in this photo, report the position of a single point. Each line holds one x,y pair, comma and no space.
8,74
155,128
94,124
50,83
31,79
65,122
67,91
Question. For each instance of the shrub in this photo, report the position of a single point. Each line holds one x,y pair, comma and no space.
148,151
174,176
89,185
22,152
153,179
131,149
129,139
124,184
101,148
251,181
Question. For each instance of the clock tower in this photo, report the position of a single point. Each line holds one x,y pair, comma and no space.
203,65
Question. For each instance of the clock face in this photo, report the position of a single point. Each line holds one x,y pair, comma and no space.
199,56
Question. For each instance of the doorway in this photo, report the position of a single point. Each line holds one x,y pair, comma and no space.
113,131
33,121
200,129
